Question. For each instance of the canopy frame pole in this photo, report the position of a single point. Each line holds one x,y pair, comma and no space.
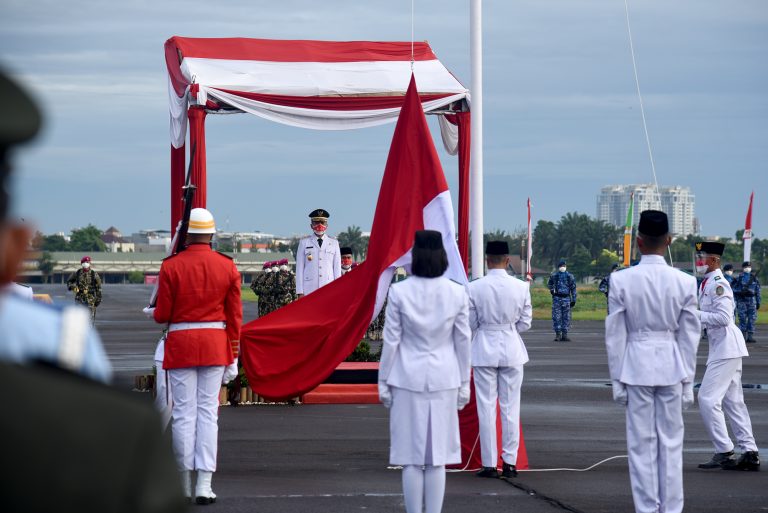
476,162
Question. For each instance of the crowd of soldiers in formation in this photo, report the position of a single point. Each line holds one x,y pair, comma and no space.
275,286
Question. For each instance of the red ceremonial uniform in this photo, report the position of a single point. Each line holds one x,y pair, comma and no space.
199,285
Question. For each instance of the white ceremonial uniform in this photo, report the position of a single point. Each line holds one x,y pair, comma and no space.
425,358
721,390
651,336
315,265
499,310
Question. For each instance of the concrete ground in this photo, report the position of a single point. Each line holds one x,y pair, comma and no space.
333,458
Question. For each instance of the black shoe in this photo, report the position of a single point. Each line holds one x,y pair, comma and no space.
748,461
204,501
508,471
488,472
719,460
557,336
750,339
565,338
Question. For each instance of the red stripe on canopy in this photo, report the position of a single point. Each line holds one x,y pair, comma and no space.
299,50
333,102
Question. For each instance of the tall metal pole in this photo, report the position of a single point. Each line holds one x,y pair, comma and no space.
476,134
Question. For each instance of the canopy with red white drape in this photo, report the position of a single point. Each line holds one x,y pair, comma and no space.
323,85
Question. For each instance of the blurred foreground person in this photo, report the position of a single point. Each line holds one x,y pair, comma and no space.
424,373
499,310
721,391
198,296
88,447
652,335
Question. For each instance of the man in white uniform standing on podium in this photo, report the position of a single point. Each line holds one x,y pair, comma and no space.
318,257
652,335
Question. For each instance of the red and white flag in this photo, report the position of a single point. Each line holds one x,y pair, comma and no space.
747,237
528,273
292,350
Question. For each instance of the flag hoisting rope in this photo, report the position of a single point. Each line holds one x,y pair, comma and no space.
645,126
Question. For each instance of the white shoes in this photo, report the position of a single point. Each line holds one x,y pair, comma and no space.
203,492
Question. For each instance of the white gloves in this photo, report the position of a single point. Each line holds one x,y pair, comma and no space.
149,311
619,392
687,395
230,372
385,394
464,394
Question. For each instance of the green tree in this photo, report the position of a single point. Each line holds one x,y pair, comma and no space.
353,238
46,264
135,277
602,264
86,239
580,263
545,244
53,243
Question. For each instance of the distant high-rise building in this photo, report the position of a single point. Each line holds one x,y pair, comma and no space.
676,201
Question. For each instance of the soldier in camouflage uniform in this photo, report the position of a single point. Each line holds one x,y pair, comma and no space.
259,287
746,289
86,284
562,286
284,285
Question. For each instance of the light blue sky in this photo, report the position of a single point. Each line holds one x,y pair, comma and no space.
562,117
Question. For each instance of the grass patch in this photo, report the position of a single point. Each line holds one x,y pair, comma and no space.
246,294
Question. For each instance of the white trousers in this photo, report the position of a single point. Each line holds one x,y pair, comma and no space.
502,383
655,446
195,425
721,394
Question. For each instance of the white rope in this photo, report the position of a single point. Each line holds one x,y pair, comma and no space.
574,469
642,115
412,2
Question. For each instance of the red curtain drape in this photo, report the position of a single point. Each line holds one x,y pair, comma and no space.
178,163
197,142
463,120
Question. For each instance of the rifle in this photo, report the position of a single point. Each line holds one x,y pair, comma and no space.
178,243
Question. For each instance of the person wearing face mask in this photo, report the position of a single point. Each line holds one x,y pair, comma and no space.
746,289
86,285
562,286
318,257
284,289
347,260
651,337
721,391
605,283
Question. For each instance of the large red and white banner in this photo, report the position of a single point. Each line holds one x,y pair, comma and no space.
292,350
747,237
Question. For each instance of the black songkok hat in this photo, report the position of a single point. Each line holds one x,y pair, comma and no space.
653,223
497,247
345,251
319,213
428,239
710,248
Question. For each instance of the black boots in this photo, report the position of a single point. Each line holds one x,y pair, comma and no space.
488,472
719,459
748,461
557,336
564,337
749,338
508,471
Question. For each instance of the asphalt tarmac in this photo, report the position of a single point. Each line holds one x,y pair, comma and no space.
333,458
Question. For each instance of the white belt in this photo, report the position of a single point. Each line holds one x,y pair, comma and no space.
651,336
487,326
212,325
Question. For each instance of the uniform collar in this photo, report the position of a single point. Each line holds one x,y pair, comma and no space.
199,247
653,259
498,272
714,273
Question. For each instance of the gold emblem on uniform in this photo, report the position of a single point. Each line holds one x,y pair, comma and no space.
309,256
698,246
719,290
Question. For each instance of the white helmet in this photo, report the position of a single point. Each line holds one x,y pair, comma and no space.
201,221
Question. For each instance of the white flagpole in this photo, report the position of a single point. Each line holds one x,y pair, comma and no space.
476,134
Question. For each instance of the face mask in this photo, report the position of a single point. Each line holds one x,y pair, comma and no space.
275,269
701,268
561,269
283,267
346,261
86,265
319,229
747,270
729,273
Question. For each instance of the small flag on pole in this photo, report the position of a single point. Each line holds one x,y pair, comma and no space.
528,273
747,237
628,230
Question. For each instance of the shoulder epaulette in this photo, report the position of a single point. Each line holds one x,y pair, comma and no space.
224,255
